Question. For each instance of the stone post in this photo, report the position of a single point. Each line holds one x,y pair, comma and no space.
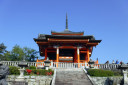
21,76
125,77
124,68
51,64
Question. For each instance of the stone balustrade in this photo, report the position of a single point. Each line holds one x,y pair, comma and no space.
63,65
15,63
107,66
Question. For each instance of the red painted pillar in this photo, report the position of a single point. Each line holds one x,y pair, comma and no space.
88,58
75,56
45,53
78,56
57,56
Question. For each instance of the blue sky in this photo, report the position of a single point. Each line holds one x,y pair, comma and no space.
23,20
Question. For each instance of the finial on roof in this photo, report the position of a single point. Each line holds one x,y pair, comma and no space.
66,21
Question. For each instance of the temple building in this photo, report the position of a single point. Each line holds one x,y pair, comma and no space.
66,46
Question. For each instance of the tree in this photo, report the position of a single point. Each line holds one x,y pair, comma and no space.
7,56
2,50
17,53
30,53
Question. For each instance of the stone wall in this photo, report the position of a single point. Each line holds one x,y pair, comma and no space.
32,80
107,80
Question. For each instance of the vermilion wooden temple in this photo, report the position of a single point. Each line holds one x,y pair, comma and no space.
66,46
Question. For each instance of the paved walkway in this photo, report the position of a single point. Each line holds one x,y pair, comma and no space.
71,77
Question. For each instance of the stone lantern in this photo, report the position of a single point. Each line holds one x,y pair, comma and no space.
22,66
124,69
47,64
91,63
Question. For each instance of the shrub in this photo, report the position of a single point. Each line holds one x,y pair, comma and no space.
100,73
41,71
32,67
44,72
117,73
13,70
33,71
38,72
49,73
28,71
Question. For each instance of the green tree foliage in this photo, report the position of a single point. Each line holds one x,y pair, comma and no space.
17,53
7,56
2,50
30,53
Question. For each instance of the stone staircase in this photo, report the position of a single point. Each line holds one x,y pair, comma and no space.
71,77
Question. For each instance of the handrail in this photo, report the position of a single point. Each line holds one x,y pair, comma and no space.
54,78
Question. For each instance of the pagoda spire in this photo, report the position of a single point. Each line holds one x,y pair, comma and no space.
66,22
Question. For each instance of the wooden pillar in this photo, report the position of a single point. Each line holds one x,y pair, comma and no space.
57,56
75,56
88,58
45,54
78,56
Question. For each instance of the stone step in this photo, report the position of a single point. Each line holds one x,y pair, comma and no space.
69,69
71,77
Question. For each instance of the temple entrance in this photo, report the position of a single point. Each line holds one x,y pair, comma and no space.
66,55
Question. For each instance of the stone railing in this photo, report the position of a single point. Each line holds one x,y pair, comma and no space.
63,65
107,66
15,63
68,65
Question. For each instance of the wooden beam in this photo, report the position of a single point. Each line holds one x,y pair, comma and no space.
51,51
83,51
68,40
65,47
92,44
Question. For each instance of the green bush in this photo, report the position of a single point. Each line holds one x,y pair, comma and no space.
41,71
33,71
100,73
32,67
13,70
117,73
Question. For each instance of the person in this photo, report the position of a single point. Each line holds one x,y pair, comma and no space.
113,62
120,62
117,62
107,62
